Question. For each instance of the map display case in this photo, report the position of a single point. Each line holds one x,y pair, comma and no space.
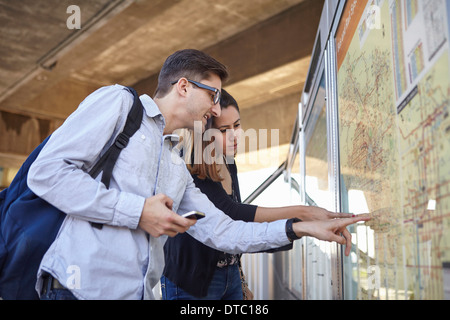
373,136
394,146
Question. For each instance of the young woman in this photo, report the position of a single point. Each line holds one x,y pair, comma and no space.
193,270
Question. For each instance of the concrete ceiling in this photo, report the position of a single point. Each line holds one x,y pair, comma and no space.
47,69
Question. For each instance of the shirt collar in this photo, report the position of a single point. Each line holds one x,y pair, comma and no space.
150,107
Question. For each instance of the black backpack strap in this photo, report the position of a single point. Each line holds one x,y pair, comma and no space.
108,160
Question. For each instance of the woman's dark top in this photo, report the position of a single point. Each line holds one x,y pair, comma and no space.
189,263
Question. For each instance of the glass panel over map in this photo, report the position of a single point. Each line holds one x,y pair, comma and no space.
318,253
394,136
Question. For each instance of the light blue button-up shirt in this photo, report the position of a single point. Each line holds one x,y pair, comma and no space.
121,261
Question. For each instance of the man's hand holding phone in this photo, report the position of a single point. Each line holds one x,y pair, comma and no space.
159,219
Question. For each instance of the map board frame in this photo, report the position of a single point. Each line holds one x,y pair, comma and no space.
386,64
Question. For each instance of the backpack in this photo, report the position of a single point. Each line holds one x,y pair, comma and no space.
29,224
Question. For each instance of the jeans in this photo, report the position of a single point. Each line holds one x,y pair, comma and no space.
50,293
225,285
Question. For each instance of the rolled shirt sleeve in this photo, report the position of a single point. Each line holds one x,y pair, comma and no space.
220,232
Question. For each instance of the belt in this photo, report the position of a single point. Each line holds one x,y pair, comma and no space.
51,283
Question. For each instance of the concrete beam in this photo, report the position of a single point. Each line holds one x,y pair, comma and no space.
133,44
282,39
274,116
34,110
94,42
270,85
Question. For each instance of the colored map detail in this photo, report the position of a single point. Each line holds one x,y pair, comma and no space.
424,147
398,49
395,162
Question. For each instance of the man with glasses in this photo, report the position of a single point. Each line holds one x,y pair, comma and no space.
215,97
148,193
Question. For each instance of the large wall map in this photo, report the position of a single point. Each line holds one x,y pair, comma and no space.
394,124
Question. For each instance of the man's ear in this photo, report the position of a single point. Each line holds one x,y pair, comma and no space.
181,86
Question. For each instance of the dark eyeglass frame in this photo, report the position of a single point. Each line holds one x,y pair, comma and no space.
217,93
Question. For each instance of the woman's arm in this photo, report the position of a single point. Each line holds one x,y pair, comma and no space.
304,213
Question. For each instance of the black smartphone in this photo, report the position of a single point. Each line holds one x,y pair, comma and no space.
194,214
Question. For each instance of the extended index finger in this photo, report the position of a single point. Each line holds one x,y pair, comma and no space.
348,221
340,215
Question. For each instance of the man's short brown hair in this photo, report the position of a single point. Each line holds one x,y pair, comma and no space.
191,64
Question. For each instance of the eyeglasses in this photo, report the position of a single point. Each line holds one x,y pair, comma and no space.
217,94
